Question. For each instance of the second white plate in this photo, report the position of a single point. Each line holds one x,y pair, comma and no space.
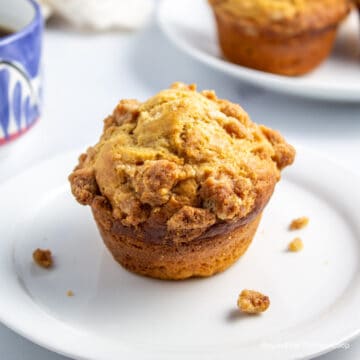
114,314
189,24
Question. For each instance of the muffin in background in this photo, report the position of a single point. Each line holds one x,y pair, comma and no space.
287,37
177,184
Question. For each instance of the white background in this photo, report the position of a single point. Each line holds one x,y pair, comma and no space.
85,76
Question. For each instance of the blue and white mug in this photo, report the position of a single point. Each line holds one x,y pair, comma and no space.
20,67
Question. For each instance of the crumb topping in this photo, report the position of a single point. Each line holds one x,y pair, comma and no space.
296,245
253,302
284,16
299,223
43,258
183,160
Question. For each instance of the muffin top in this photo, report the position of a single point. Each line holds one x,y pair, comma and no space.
181,163
285,16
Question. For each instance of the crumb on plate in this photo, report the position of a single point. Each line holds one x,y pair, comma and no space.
299,223
296,245
70,293
252,302
43,258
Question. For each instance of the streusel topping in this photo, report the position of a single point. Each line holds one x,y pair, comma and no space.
182,159
289,16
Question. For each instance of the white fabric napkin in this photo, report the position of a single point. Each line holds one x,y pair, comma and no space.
100,14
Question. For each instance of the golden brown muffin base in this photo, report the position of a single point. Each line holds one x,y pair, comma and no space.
177,183
200,258
294,55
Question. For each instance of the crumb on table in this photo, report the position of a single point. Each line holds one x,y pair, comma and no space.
253,302
70,293
296,245
43,258
299,223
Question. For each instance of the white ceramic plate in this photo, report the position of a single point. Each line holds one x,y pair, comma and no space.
189,24
315,294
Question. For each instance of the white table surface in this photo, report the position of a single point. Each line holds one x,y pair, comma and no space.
85,76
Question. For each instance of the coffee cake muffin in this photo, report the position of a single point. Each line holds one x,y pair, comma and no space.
177,184
288,37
